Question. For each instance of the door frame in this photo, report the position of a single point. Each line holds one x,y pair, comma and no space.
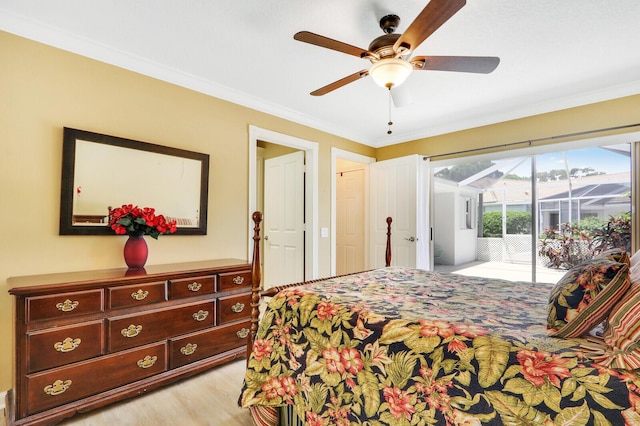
311,150
359,158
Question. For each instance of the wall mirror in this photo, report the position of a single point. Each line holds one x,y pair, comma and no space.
100,172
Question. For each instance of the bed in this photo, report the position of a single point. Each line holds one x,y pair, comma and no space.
402,346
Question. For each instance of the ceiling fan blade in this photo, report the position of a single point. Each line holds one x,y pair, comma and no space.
342,82
436,13
475,64
329,43
401,96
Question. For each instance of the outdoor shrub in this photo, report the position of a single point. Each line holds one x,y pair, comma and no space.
492,224
518,222
572,244
614,234
564,247
591,225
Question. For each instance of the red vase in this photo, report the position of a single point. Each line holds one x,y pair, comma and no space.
136,252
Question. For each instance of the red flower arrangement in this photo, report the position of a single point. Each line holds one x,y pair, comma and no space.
134,221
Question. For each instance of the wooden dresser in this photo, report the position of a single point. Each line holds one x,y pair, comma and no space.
86,339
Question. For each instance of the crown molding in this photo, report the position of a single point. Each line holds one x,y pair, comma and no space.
57,38
73,43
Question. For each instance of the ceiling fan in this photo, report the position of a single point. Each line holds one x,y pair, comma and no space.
390,53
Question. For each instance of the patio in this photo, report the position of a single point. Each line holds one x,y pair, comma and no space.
502,270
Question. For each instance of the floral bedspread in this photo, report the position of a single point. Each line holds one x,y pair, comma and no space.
410,347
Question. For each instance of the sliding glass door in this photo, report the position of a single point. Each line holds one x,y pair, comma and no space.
533,216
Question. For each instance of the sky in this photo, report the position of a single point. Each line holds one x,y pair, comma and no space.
599,159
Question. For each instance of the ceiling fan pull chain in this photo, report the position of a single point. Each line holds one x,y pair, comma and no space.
390,123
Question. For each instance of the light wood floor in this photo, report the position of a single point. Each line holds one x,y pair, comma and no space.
210,398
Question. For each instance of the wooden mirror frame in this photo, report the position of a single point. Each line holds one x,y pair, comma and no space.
68,186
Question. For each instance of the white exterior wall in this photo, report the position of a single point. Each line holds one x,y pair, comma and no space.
453,243
443,228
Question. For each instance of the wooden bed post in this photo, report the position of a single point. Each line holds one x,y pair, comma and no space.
256,278
387,255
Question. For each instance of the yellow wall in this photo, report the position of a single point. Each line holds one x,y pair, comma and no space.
618,112
43,89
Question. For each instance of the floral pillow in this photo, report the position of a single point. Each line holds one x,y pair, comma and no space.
584,296
622,334
615,254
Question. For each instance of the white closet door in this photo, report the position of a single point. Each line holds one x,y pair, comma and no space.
350,222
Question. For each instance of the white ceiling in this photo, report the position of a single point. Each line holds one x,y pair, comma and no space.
554,54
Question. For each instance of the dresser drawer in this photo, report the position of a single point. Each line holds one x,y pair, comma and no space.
203,344
138,329
233,308
137,295
192,286
64,305
61,385
64,345
234,280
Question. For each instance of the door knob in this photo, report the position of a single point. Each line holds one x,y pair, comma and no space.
411,239
266,238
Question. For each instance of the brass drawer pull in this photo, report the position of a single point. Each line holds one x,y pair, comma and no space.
200,315
67,345
238,307
238,280
139,295
194,286
147,361
67,306
57,387
242,333
189,349
131,331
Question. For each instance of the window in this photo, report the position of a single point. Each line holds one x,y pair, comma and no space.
468,213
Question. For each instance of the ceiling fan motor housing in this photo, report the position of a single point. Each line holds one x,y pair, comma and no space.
383,45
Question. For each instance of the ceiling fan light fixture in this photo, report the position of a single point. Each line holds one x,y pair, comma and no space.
390,72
